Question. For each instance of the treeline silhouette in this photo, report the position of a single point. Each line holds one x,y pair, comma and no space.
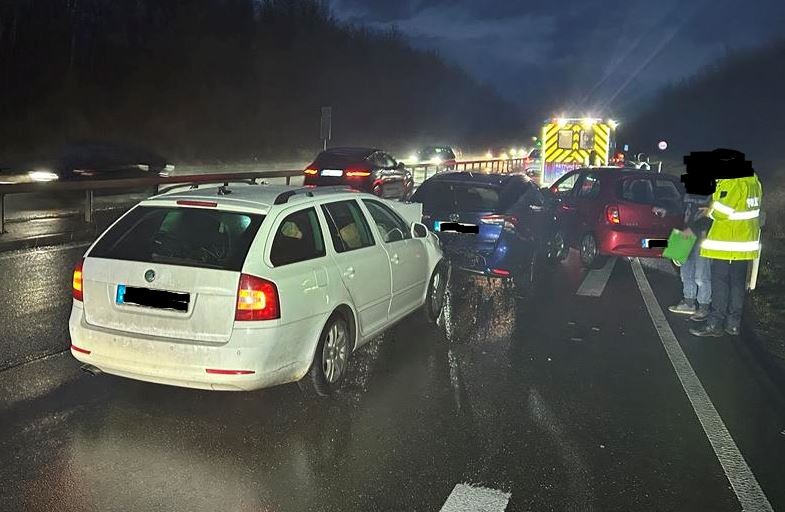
225,79
738,102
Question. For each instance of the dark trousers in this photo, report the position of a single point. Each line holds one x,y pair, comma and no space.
728,286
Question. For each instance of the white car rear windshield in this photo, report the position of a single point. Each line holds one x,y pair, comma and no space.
193,237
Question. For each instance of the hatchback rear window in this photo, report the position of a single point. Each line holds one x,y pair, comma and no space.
439,196
659,192
192,237
638,190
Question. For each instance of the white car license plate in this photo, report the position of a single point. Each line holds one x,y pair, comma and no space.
332,172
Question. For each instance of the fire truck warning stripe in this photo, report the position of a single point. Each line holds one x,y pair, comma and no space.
555,155
601,135
551,151
600,142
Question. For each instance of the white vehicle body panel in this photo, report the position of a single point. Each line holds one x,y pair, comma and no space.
211,291
177,348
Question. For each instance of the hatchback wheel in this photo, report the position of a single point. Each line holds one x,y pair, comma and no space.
332,356
590,252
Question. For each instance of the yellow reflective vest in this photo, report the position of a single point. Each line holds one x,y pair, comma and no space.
735,210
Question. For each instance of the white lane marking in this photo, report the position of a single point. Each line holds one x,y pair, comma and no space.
740,476
468,498
25,253
594,283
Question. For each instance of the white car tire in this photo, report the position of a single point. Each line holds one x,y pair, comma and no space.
331,360
437,292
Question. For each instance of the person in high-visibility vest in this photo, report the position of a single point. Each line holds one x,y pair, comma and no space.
732,242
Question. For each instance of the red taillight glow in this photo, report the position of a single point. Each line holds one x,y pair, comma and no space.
612,215
257,299
354,173
506,221
76,283
311,171
216,371
500,272
208,204
81,350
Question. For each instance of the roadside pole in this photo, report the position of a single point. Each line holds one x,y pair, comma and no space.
326,125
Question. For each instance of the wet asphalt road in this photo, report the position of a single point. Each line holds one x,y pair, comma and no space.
566,402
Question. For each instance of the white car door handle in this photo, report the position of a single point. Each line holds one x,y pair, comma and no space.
394,258
349,272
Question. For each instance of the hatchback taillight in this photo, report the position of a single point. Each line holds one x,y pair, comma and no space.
612,215
508,222
76,283
257,299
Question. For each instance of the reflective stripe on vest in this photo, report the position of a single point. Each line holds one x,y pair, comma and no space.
720,245
727,210
752,214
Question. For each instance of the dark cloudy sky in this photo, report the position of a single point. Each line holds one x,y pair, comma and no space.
576,54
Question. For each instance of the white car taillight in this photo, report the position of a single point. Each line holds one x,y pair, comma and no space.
257,299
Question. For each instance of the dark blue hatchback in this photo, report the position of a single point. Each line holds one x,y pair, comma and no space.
489,224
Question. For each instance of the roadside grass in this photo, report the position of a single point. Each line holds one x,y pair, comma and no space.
768,299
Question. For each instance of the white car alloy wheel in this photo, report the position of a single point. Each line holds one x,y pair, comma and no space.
332,357
437,289
335,353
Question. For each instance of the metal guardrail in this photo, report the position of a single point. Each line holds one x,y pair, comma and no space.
491,165
90,186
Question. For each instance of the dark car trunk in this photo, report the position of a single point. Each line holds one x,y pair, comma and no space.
467,204
338,170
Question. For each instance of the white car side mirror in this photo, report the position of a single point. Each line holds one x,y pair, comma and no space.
419,230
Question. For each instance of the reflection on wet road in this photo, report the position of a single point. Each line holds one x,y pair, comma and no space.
561,401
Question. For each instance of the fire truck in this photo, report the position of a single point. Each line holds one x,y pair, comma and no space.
571,143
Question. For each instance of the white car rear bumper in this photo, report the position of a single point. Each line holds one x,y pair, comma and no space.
275,356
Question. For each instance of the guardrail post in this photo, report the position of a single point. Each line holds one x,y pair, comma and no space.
88,206
2,214
288,180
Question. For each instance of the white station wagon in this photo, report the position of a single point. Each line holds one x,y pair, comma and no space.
251,286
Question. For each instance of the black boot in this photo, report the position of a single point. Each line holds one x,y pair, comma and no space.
702,313
708,331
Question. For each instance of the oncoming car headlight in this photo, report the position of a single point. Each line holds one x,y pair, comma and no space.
42,176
